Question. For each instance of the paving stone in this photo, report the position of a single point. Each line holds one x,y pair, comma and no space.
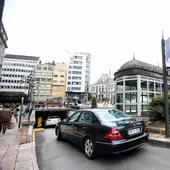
24,165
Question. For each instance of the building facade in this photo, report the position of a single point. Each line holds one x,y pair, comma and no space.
15,71
59,80
103,89
3,45
78,74
136,82
43,82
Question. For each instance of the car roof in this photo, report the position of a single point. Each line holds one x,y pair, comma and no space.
97,109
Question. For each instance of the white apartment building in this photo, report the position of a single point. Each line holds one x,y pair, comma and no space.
103,89
78,74
3,45
43,82
16,69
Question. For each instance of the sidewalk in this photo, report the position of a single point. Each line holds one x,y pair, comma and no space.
159,140
9,144
14,156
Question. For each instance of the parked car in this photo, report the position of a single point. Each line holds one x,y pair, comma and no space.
102,131
52,120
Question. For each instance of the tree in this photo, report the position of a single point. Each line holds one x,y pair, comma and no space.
12,97
94,103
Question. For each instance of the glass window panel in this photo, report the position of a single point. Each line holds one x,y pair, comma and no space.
157,87
131,97
119,98
144,98
151,86
151,95
130,85
120,86
143,85
119,106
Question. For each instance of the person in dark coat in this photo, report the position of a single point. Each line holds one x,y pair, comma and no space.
5,118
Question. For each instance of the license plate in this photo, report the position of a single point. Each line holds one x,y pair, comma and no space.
133,131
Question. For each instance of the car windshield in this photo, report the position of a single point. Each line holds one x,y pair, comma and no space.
112,115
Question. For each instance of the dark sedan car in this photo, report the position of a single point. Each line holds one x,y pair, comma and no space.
102,131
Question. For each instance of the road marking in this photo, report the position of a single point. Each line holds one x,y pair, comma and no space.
36,130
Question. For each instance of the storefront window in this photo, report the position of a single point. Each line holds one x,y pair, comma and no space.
130,85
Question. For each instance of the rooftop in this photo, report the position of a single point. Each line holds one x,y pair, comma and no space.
141,65
21,57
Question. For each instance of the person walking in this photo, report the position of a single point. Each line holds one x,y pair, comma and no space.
16,113
5,118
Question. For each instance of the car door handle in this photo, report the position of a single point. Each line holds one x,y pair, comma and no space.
84,127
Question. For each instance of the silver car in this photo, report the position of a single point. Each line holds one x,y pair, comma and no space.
52,120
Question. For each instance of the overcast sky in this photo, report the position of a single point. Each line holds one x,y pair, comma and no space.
111,30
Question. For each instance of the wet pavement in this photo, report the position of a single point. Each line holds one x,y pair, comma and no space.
55,155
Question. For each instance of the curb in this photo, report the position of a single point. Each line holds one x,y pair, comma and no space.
159,143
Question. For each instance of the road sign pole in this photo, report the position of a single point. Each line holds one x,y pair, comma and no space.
165,87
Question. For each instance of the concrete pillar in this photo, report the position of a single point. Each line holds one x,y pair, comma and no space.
138,95
124,94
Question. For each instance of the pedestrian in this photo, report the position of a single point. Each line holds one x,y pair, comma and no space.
16,113
5,118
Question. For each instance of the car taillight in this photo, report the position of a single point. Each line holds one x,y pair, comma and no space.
113,134
145,129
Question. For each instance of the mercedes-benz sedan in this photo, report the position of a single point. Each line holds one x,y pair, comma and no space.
102,131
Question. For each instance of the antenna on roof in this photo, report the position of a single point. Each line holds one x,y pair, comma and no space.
133,56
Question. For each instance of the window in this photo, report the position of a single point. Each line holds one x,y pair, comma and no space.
74,117
85,117
76,88
77,67
37,79
68,82
55,75
112,115
62,75
44,68
42,79
69,77
69,67
76,78
77,72
77,62
49,80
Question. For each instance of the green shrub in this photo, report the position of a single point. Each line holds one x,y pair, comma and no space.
94,103
156,108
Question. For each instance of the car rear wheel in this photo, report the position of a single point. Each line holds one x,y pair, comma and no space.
89,148
58,133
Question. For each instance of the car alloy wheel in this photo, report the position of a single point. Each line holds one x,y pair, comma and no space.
89,148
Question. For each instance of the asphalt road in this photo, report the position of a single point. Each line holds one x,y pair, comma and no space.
54,155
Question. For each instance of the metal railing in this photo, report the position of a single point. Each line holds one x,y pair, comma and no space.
24,113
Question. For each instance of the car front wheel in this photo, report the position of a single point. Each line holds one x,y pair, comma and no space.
89,148
58,133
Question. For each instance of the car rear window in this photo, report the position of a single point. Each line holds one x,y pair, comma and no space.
112,115
53,117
